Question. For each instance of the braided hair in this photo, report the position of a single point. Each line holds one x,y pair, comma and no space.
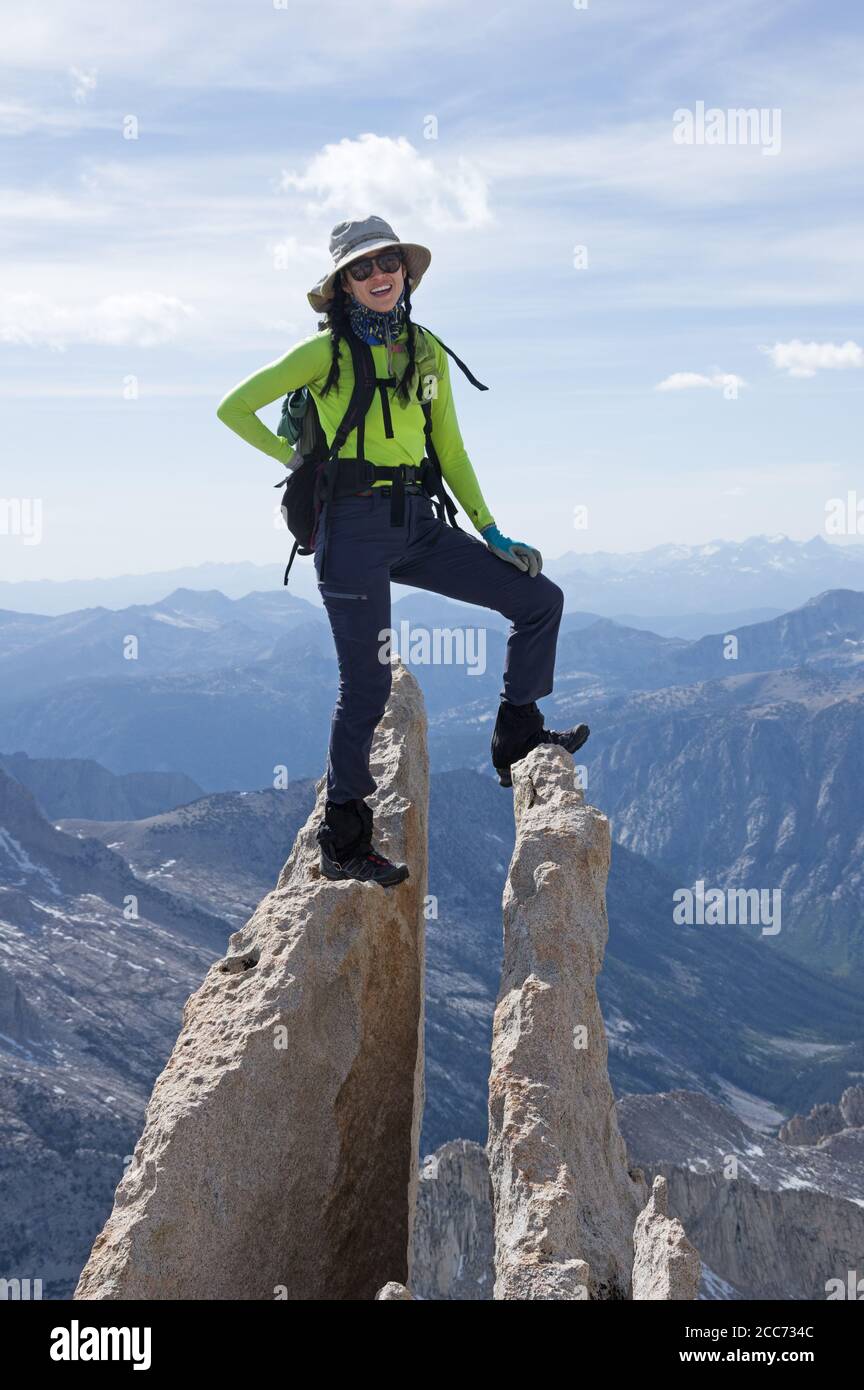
337,322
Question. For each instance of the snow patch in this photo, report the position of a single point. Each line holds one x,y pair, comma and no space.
22,861
755,1111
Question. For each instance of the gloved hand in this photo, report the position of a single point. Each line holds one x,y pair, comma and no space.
519,553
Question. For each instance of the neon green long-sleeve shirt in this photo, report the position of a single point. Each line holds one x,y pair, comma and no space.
308,364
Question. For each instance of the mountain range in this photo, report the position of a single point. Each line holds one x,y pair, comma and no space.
668,584
771,571
91,996
734,758
82,787
223,690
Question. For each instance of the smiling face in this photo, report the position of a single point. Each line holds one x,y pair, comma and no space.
380,291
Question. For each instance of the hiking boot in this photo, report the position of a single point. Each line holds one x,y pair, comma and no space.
369,866
519,729
345,840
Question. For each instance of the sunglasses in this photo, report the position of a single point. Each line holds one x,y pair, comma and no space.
388,261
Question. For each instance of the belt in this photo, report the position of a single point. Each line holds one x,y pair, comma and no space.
387,490
353,476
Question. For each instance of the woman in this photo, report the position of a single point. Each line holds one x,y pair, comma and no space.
387,531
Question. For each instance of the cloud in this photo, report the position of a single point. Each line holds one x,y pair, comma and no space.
806,359
145,319
41,208
290,251
23,117
238,46
377,173
686,381
79,391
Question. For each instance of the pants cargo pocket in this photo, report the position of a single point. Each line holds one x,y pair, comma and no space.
326,591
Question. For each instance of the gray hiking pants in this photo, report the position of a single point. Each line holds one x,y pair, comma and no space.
364,552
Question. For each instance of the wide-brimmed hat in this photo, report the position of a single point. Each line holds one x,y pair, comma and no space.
351,241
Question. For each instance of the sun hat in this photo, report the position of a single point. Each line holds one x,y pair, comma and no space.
351,241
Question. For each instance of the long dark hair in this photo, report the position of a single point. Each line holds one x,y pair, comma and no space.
337,322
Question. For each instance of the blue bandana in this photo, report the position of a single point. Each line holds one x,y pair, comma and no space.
370,326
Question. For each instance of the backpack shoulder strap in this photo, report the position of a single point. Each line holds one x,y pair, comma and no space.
358,406
458,360
362,394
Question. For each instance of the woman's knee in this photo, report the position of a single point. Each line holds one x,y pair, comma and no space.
556,596
549,601
537,600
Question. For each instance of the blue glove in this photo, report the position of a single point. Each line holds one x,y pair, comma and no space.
519,553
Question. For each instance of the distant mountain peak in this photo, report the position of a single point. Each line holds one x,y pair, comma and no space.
763,571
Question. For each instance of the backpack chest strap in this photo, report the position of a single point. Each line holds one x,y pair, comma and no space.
382,384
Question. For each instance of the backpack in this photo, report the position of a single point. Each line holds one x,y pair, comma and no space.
306,487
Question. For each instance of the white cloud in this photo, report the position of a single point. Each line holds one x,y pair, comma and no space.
145,318
377,173
686,381
40,208
75,391
22,117
289,251
806,359
239,46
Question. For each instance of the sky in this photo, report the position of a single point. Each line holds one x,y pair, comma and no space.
665,306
